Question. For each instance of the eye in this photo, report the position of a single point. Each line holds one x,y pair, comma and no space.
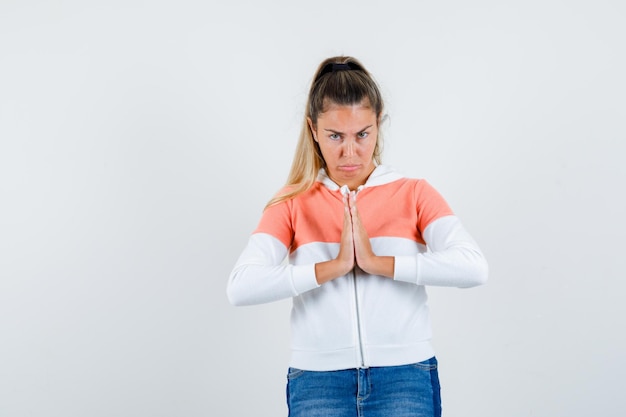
363,135
334,136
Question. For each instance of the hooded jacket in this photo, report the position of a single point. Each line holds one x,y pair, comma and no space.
358,320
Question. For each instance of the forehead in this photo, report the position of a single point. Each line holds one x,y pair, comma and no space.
351,115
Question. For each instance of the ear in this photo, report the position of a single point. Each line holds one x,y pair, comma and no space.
312,127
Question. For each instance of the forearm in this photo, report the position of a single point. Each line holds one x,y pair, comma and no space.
329,270
259,276
379,265
453,259
259,284
455,267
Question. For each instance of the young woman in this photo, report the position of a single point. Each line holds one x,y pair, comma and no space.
362,242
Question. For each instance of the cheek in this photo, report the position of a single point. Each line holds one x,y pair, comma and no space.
328,148
370,146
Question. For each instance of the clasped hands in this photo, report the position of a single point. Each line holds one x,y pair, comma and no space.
355,249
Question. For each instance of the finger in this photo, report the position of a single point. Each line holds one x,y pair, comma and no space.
352,201
346,250
347,217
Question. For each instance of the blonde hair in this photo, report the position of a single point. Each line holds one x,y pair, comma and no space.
340,80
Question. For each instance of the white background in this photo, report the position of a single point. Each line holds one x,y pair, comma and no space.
140,140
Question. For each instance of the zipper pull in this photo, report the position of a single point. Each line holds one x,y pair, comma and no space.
346,191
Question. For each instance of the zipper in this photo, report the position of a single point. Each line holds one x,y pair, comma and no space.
358,319
345,190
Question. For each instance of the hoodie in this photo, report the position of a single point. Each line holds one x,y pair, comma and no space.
358,320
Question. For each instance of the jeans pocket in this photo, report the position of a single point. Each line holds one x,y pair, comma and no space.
427,365
294,373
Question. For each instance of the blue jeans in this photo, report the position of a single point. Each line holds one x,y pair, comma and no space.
398,391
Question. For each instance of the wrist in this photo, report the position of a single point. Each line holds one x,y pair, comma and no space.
343,266
329,270
379,265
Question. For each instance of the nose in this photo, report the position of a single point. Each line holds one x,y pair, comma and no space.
348,148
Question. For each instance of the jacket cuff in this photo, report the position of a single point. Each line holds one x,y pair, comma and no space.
405,269
303,278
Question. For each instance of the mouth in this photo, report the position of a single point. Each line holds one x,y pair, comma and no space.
348,168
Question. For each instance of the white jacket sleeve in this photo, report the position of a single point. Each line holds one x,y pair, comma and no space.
260,276
453,258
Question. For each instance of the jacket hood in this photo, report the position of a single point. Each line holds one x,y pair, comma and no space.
382,174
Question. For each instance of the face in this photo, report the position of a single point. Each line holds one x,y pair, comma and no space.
347,137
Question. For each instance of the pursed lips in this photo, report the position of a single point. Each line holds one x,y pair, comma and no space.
349,167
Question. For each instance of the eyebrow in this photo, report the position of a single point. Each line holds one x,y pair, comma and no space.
341,133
